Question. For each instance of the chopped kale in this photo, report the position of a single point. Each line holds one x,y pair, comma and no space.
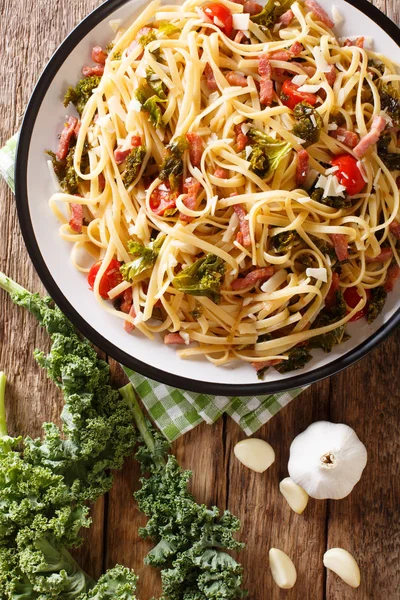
202,278
298,358
266,153
337,118
327,316
376,66
390,159
133,164
333,201
376,303
146,256
147,38
80,94
197,311
158,87
308,123
168,28
271,12
171,169
325,248
150,103
64,169
282,242
305,259
390,101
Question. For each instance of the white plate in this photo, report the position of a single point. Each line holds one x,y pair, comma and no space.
44,118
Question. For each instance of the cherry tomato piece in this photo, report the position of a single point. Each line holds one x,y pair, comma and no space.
348,174
352,298
220,16
162,200
290,95
109,280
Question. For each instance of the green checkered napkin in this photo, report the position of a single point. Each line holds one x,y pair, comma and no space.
176,411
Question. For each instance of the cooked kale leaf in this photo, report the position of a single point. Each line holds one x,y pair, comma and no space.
146,256
168,28
308,123
390,101
391,159
150,103
202,278
327,316
298,358
266,153
271,12
282,242
333,201
133,164
376,303
171,169
64,169
80,94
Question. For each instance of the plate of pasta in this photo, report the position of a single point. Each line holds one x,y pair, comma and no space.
210,190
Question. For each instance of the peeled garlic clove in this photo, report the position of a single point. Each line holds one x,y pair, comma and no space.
343,564
255,454
282,569
296,497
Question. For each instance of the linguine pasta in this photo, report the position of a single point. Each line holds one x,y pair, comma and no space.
236,231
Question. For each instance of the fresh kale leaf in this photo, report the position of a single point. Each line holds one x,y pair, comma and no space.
202,278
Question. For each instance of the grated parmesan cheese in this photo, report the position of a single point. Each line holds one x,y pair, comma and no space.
331,170
336,16
312,89
134,105
331,186
185,336
248,150
320,61
299,79
241,21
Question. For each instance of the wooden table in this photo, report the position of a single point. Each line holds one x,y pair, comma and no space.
365,397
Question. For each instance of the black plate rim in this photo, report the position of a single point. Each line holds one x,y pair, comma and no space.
175,381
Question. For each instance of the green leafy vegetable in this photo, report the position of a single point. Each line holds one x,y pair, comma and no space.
391,159
189,537
80,94
266,153
146,256
325,249
150,103
64,169
168,28
298,358
118,583
390,101
282,242
376,303
333,201
327,316
171,169
133,164
308,123
147,38
156,84
202,278
271,12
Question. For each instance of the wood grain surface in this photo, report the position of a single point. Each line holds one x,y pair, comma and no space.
365,396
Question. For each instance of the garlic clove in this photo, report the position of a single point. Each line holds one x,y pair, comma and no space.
343,564
296,497
282,569
327,460
255,454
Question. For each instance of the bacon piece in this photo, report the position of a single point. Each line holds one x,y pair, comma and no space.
252,278
209,75
359,42
394,229
173,338
385,254
245,238
235,78
286,18
331,75
120,155
76,220
392,276
351,138
95,70
251,7
284,55
98,55
320,13
136,141
126,303
340,243
241,138
128,326
378,125
65,138
162,200
302,167
195,148
296,49
259,366
221,173
266,84
102,182
239,37
191,187
77,128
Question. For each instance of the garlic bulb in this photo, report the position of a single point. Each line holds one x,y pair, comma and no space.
327,460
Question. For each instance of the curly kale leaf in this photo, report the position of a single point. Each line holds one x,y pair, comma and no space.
376,303
202,278
298,357
391,159
171,169
133,164
80,94
308,123
266,153
271,12
65,171
118,583
146,256
390,101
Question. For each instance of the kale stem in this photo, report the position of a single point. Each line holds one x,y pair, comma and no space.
3,422
9,285
130,395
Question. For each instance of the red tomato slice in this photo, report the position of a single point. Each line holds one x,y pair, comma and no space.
218,13
348,174
290,96
110,279
352,298
162,200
